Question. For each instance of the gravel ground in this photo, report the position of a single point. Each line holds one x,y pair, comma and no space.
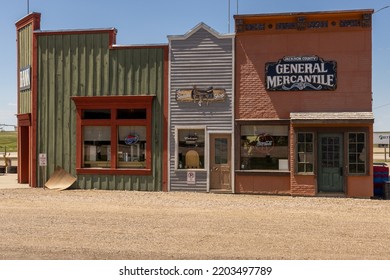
79,224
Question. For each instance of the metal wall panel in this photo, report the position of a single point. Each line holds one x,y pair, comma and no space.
25,58
200,59
82,64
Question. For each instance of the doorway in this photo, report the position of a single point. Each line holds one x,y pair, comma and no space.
220,162
330,163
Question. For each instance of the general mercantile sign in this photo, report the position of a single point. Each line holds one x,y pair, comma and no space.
298,73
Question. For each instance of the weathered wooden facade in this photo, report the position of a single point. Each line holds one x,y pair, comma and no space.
283,106
93,108
201,111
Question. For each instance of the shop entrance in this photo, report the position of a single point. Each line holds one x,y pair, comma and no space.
220,162
330,163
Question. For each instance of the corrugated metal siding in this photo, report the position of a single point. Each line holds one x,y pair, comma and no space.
25,56
202,60
83,65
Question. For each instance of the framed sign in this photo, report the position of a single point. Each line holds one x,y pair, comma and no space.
24,78
297,73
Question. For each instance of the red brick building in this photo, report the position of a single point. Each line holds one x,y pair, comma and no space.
303,111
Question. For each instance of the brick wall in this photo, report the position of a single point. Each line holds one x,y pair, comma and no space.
350,49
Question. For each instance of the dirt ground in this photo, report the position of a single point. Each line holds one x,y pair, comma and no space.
94,224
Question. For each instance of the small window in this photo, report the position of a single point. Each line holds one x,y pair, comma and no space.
357,156
305,152
136,114
191,144
99,114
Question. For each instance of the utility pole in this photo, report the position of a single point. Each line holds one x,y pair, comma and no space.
229,17
28,6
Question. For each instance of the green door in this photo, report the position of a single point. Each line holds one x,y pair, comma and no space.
330,165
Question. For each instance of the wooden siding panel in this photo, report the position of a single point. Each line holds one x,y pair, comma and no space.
200,60
25,59
83,65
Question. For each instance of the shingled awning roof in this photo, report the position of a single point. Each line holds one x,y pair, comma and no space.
331,117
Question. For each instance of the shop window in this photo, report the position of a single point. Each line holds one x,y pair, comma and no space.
131,146
115,134
190,149
305,152
264,147
97,146
357,157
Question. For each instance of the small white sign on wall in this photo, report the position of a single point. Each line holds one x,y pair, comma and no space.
42,160
191,178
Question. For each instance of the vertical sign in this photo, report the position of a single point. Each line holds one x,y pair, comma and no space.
24,78
42,160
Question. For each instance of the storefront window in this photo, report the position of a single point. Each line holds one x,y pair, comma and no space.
190,149
264,147
305,152
97,146
131,146
357,157
114,133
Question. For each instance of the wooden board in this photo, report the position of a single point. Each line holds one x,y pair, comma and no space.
60,180
187,95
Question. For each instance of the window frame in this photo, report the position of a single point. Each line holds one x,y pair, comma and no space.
205,159
314,157
243,165
113,103
356,153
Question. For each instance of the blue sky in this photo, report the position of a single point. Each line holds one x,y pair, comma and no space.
150,21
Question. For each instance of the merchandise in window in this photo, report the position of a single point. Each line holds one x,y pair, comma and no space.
190,149
264,147
305,152
357,157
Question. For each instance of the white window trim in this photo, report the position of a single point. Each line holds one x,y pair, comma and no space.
206,147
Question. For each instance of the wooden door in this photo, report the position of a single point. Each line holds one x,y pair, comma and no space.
220,162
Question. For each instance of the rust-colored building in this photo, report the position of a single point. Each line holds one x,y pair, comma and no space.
303,110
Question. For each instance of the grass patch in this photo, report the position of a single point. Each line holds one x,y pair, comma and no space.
8,141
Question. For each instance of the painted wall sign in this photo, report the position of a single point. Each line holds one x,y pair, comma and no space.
200,95
297,73
24,78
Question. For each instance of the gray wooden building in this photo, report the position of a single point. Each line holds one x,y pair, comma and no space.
201,107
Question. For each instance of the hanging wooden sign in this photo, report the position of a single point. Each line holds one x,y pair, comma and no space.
199,95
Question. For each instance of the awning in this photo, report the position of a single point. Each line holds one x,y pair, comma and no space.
331,117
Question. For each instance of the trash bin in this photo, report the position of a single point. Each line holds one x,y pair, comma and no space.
381,176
